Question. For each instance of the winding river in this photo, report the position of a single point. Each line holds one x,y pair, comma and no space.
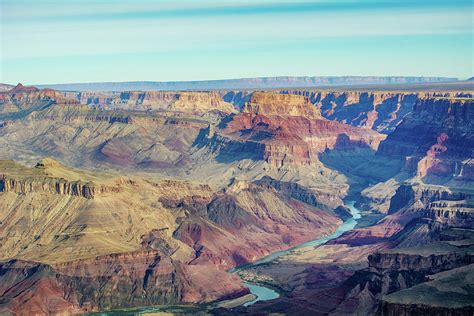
263,293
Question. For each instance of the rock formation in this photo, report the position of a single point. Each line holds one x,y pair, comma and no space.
441,149
381,111
288,130
152,196
94,239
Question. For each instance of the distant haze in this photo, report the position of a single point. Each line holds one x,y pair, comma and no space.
246,83
52,41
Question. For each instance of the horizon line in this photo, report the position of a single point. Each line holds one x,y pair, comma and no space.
450,78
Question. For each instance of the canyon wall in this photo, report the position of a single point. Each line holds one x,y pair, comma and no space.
291,131
442,147
378,110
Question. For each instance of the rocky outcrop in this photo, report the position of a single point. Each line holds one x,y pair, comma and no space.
290,130
322,200
401,309
57,186
39,181
441,148
447,111
192,102
201,102
446,293
431,264
233,219
418,195
376,290
143,278
271,104
237,98
378,110
23,98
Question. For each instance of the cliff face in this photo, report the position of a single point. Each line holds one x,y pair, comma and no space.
381,111
408,195
192,102
139,242
448,111
57,186
428,231
80,135
21,181
307,195
385,262
398,280
21,101
274,215
290,130
441,148
143,278
269,104
445,293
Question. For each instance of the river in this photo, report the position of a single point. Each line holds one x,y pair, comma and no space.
263,293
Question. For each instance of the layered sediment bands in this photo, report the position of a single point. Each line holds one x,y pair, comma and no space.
381,111
434,263
270,104
193,102
446,293
291,130
391,273
26,99
298,139
447,111
199,102
142,278
237,98
309,196
244,215
441,148
149,243
19,180
57,186
82,136
416,309
231,149
411,194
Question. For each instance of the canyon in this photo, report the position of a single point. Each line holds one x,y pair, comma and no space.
111,200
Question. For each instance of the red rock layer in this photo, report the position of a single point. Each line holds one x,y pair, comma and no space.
250,220
292,131
142,278
378,110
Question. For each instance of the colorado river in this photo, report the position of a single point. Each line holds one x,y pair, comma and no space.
263,293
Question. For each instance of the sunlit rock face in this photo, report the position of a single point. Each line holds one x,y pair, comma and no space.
378,110
291,130
151,196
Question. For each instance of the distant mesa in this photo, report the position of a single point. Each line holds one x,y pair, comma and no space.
247,83
5,87
268,103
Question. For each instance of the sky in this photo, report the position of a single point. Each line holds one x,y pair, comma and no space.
143,40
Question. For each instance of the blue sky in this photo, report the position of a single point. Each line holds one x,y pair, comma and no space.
116,40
